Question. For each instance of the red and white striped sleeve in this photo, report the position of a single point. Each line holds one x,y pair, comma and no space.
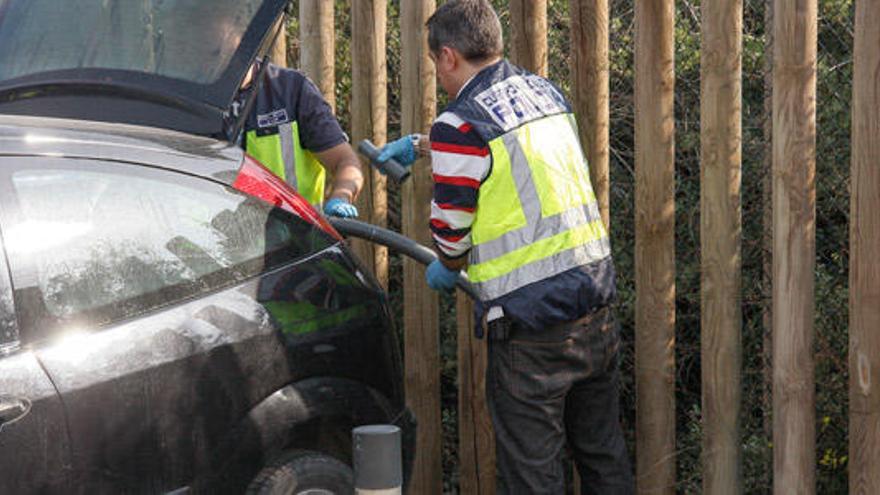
461,161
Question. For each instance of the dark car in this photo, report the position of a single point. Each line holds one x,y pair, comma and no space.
173,317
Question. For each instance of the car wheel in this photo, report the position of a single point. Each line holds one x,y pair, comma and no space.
303,473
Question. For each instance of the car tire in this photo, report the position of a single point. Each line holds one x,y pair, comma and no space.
303,473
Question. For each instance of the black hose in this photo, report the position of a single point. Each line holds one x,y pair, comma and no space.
397,242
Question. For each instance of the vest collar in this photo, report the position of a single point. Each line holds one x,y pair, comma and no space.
479,76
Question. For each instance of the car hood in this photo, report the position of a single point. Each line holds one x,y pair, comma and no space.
174,64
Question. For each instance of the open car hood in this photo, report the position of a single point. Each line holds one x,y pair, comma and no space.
174,64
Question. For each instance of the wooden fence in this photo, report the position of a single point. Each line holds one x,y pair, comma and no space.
864,353
793,221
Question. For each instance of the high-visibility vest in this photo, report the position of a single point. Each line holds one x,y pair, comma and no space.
536,215
280,151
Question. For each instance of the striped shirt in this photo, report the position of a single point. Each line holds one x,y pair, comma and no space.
461,162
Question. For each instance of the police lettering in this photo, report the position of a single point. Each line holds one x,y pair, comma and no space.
517,100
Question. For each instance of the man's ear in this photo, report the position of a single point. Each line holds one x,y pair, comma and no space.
450,57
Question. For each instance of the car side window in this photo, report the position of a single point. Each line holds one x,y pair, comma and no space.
98,244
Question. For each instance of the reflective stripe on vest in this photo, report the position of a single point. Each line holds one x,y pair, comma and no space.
537,215
282,153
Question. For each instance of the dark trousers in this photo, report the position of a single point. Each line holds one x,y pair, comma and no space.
554,388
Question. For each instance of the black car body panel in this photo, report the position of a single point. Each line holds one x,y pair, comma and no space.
36,454
194,391
68,138
165,393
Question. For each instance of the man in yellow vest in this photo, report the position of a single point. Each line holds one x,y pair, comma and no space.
291,130
513,204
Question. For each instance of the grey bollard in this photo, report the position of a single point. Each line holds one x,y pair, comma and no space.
377,460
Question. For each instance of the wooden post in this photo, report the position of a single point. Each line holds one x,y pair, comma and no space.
767,234
528,19
720,242
420,311
794,244
655,246
589,69
864,273
476,440
278,52
369,118
590,92
317,45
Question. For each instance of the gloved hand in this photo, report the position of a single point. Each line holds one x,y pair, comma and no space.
439,277
338,207
401,150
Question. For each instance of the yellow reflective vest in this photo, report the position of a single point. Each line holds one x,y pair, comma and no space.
536,215
281,152
272,134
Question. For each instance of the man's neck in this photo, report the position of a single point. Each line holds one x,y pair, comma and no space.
471,71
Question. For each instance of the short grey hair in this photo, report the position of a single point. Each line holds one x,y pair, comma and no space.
469,26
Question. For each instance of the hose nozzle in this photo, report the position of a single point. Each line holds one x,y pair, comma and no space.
390,168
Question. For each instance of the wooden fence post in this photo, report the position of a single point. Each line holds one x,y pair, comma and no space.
590,90
864,273
278,52
655,246
476,440
369,118
794,244
420,312
317,45
721,237
767,235
528,19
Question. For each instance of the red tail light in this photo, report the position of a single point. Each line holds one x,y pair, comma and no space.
255,179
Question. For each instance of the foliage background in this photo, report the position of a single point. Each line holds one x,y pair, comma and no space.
833,158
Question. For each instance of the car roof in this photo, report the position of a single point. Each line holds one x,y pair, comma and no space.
79,139
175,65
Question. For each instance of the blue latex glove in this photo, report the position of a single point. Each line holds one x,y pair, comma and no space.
338,207
401,150
439,277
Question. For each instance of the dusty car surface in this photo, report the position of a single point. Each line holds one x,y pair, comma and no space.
173,317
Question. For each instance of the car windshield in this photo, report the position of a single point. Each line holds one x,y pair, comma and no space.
188,40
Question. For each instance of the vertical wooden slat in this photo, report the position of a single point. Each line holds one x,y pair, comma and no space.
589,61
528,19
767,234
720,242
864,350
590,93
794,244
278,52
317,45
369,97
655,247
420,313
476,452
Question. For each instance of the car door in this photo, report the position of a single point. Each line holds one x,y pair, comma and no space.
137,287
34,442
